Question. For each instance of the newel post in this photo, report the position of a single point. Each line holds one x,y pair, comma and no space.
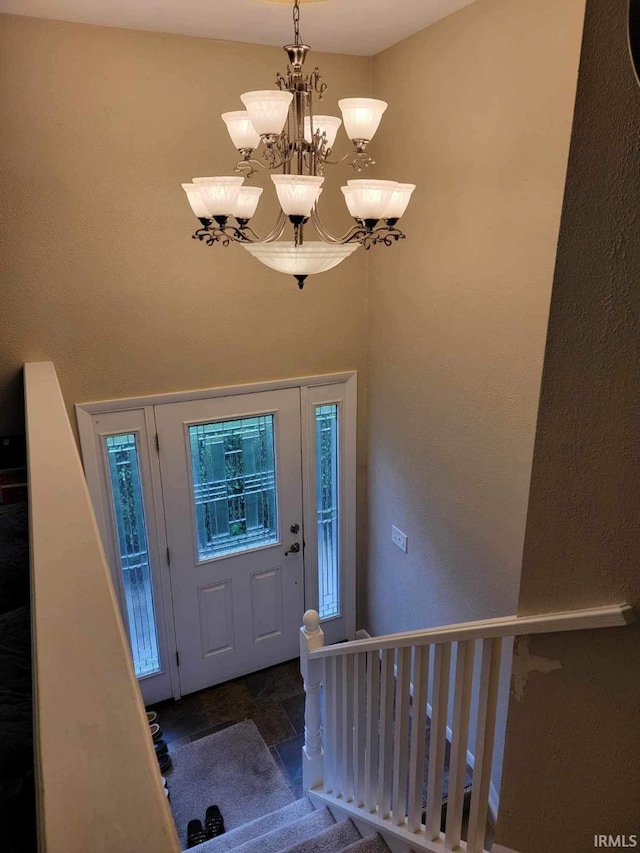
311,638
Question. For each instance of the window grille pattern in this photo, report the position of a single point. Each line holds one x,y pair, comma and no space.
234,485
128,504
327,459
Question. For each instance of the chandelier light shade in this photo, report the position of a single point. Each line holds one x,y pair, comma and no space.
297,193
241,130
301,261
371,199
195,200
298,146
268,110
348,197
361,117
399,201
247,202
220,195
322,125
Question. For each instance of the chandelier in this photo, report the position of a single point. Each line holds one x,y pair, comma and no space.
298,143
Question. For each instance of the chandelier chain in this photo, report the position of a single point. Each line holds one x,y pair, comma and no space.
296,21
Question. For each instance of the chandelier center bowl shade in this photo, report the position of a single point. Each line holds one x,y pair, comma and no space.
280,131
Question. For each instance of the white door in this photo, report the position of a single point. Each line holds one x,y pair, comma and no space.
232,490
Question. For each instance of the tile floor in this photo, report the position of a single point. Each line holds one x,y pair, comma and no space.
273,698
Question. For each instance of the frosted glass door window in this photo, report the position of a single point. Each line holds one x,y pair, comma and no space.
133,549
327,509
233,469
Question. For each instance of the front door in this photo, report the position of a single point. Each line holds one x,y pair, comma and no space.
232,491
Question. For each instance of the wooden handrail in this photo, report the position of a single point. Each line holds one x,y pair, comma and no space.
608,616
98,784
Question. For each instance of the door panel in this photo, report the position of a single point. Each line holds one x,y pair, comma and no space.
231,479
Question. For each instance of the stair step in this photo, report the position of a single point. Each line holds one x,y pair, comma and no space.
285,836
369,844
260,826
332,840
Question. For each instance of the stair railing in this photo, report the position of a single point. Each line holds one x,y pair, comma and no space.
371,705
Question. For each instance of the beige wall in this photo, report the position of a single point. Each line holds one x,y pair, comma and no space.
571,758
480,109
99,273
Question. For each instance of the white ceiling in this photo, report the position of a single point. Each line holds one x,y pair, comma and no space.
340,26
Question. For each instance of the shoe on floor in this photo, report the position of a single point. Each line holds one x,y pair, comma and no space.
213,822
160,747
155,730
152,717
196,833
164,762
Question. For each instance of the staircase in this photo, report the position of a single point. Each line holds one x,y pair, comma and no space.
297,828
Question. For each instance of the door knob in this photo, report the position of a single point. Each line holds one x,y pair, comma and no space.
294,549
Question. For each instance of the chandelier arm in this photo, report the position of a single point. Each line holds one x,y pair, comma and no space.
328,237
247,167
361,160
274,234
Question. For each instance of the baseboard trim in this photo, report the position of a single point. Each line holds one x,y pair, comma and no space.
498,848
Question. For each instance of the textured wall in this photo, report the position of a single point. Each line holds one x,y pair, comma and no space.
458,313
99,273
578,728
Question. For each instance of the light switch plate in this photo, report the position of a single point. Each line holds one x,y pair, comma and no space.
399,539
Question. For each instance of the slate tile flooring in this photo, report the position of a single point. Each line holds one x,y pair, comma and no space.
273,698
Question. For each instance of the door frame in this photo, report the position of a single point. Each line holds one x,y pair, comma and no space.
314,390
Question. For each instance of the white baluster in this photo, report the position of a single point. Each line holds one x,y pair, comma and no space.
373,716
401,736
438,740
330,725
338,721
483,750
359,730
418,735
347,726
386,733
311,638
459,739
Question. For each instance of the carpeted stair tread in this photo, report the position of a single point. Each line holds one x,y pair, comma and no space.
332,840
369,844
304,829
260,826
232,769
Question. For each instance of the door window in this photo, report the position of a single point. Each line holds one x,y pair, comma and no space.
133,550
327,509
233,469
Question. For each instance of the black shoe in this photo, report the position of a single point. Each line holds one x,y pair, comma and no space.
195,833
164,762
160,747
213,822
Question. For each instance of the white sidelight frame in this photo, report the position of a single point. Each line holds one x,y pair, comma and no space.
94,428
344,395
136,414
